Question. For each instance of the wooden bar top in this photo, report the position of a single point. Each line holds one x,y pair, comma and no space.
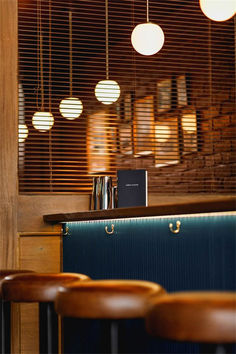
221,204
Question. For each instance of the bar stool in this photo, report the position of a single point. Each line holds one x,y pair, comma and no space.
41,288
5,308
208,318
106,299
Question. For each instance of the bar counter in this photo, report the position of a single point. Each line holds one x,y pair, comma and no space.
220,204
183,245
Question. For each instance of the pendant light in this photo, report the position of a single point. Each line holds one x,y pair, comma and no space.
22,132
218,10
22,127
147,38
107,91
71,107
42,121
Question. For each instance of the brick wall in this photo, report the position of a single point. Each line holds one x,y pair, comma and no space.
212,169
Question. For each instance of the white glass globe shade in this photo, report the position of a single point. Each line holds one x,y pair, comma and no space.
43,121
218,10
71,108
107,91
147,38
22,132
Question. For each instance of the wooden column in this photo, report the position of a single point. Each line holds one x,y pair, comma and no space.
8,133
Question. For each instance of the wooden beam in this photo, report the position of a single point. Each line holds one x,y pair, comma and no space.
220,204
8,133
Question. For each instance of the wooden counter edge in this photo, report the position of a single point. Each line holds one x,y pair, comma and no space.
214,205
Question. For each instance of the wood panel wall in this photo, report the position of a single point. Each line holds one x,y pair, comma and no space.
8,133
40,252
31,209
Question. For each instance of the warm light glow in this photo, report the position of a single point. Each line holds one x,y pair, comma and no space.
147,38
162,133
43,121
218,10
22,132
107,91
71,108
189,123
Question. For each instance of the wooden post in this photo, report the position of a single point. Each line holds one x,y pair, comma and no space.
9,144
8,133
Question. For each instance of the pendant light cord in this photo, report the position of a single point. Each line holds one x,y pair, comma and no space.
38,64
147,10
49,89
235,56
107,55
210,62
134,89
41,55
70,50
50,54
211,141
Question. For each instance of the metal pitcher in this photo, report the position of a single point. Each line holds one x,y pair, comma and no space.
96,194
102,193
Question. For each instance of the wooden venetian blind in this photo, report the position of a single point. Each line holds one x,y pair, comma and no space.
175,115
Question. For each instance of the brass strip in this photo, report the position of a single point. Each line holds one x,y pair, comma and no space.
40,233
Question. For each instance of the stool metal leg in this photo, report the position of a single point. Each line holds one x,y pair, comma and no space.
216,348
109,337
114,328
1,318
5,327
48,329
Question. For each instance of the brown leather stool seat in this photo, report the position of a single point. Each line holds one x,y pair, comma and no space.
204,317
41,288
107,299
6,272
5,308
37,287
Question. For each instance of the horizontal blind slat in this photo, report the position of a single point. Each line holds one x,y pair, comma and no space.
182,132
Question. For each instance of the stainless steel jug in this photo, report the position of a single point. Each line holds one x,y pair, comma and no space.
96,194
102,193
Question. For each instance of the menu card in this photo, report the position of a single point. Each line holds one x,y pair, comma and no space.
132,188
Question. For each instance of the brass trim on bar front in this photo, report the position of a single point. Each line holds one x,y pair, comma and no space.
39,233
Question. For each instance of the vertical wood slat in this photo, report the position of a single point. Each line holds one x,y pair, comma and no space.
8,145
8,133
